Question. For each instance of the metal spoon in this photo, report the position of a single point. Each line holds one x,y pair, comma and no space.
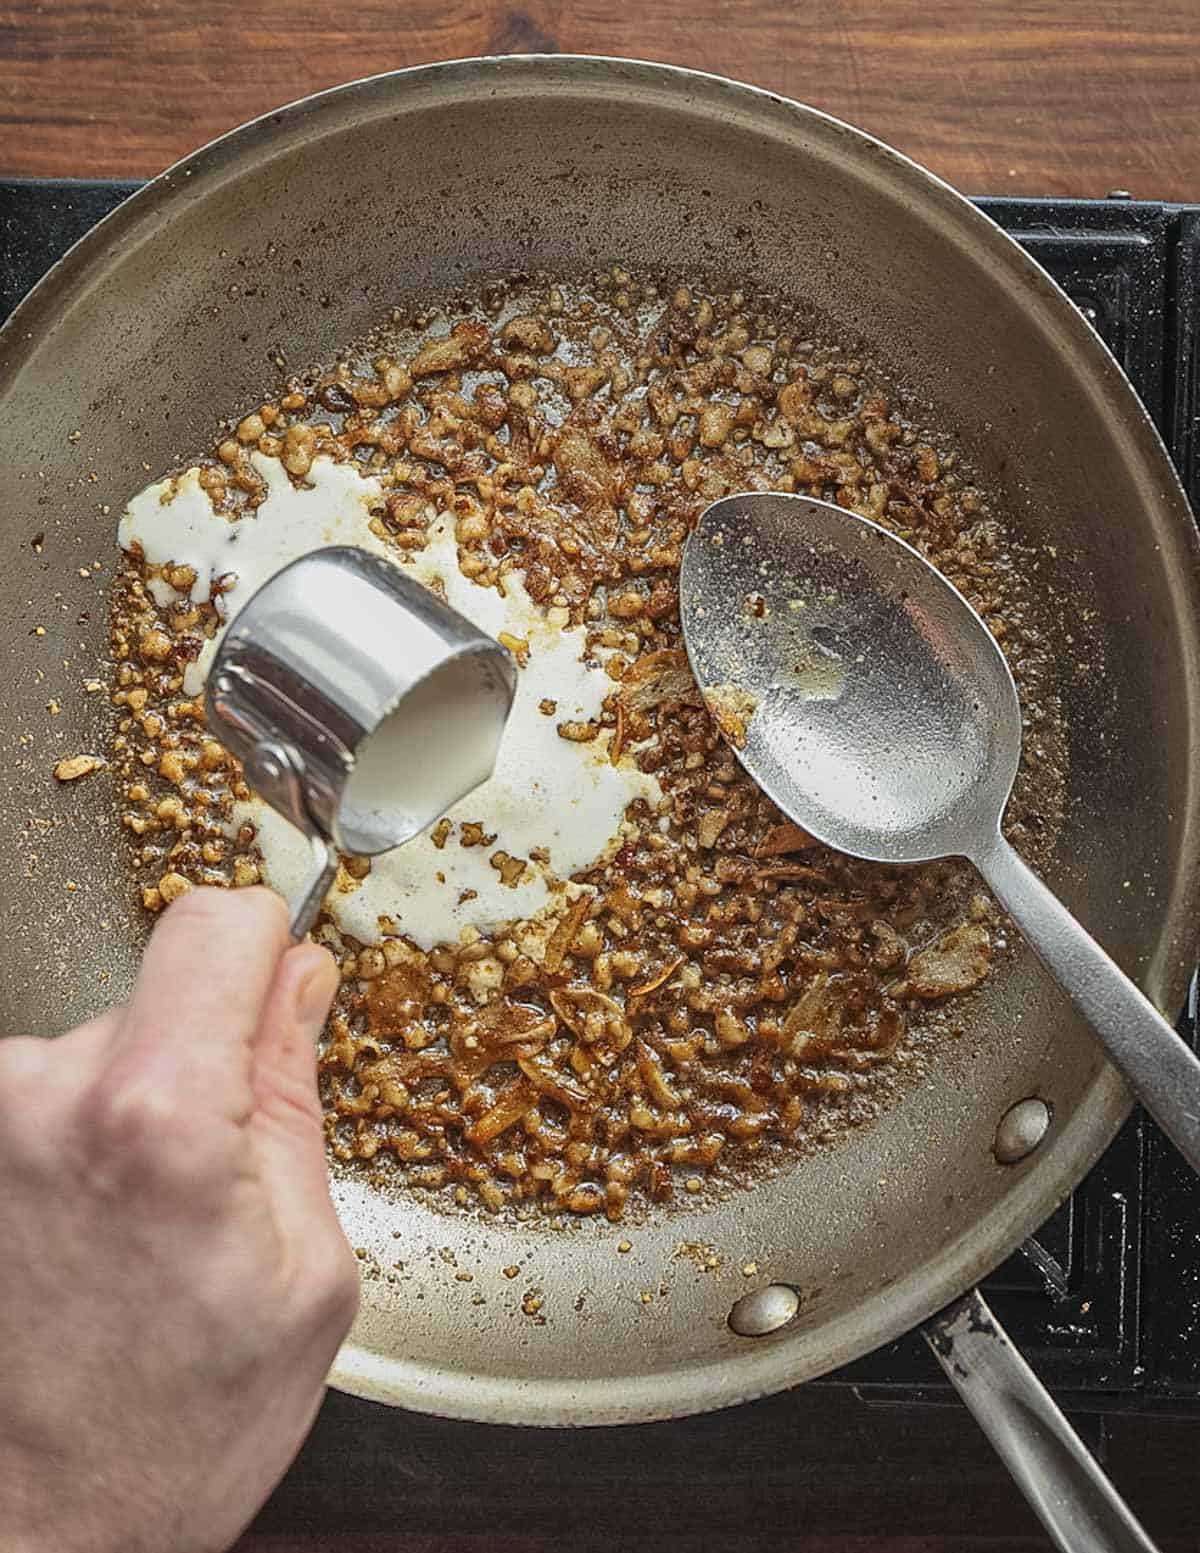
868,699
870,702
361,705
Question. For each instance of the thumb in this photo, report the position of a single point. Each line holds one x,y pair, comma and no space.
287,1109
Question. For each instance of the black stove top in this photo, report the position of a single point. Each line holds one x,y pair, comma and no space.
1105,1299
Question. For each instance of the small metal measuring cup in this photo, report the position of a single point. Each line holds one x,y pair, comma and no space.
360,704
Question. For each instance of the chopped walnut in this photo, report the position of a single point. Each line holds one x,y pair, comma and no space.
464,344
510,869
732,709
517,645
172,885
784,838
656,679
578,733
710,825
956,962
528,334
74,767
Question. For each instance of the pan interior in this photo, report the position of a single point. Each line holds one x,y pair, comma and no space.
295,235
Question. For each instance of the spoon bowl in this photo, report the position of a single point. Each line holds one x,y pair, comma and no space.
870,702
884,717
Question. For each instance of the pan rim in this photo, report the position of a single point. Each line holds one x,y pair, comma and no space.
1035,1194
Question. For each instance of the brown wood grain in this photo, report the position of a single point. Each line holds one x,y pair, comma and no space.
999,96
814,1471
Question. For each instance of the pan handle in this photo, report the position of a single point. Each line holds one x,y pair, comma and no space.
1050,1464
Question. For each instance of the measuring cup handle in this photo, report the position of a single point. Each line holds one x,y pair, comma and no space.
305,907
1161,1069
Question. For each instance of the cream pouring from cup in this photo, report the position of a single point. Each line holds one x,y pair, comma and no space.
360,704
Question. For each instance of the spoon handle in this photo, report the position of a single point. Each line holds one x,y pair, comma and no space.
1160,1069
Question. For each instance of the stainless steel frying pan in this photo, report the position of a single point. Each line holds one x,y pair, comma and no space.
292,236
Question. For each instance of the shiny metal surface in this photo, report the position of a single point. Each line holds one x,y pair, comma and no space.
278,768
396,190
1021,1130
764,1310
1162,1071
327,653
1066,1489
877,711
882,716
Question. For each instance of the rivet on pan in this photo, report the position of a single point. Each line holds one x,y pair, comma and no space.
764,1310
1021,1129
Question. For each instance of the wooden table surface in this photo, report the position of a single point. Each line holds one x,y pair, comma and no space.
817,1470
999,96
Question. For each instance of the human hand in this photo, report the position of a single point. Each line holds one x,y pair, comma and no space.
174,1282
